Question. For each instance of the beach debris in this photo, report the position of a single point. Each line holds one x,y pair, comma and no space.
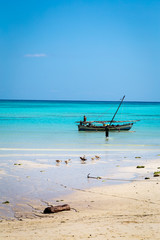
146,178
137,157
6,202
83,158
97,157
92,158
58,161
113,179
42,171
140,166
55,209
88,176
158,167
17,164
156,174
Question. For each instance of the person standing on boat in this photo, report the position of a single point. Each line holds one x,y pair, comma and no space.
84,119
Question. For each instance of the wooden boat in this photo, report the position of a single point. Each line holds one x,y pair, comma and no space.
111,125
101,125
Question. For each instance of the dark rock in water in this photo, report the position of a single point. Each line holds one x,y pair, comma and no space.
54,209
140,166
6,202
157,174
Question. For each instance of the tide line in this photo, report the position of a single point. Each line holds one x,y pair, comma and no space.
78,149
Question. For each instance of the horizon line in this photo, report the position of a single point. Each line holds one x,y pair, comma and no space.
78,100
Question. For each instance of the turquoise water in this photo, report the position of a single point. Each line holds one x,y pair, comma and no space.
34,134
51,124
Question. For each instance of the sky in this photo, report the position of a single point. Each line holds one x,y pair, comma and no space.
80,50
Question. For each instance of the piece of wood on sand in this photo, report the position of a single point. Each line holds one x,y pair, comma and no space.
55,209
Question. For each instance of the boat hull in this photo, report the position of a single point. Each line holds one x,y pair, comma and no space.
124,127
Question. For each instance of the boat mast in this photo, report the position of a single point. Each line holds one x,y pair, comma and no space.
117,110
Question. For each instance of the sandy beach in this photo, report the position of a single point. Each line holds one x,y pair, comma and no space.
125,211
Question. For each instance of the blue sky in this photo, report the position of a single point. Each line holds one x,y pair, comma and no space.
80,50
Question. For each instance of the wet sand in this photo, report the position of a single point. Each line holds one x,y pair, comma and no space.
125,211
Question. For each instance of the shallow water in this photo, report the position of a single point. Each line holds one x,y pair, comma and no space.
34,134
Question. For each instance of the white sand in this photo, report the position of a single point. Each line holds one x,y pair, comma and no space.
127,211
130,211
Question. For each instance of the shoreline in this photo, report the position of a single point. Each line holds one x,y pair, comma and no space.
37,178
124,211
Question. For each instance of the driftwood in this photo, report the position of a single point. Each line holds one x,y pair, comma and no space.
55,209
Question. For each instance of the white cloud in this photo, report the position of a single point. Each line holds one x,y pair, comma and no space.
36,55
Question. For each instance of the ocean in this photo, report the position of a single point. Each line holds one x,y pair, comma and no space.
52,124
34,134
